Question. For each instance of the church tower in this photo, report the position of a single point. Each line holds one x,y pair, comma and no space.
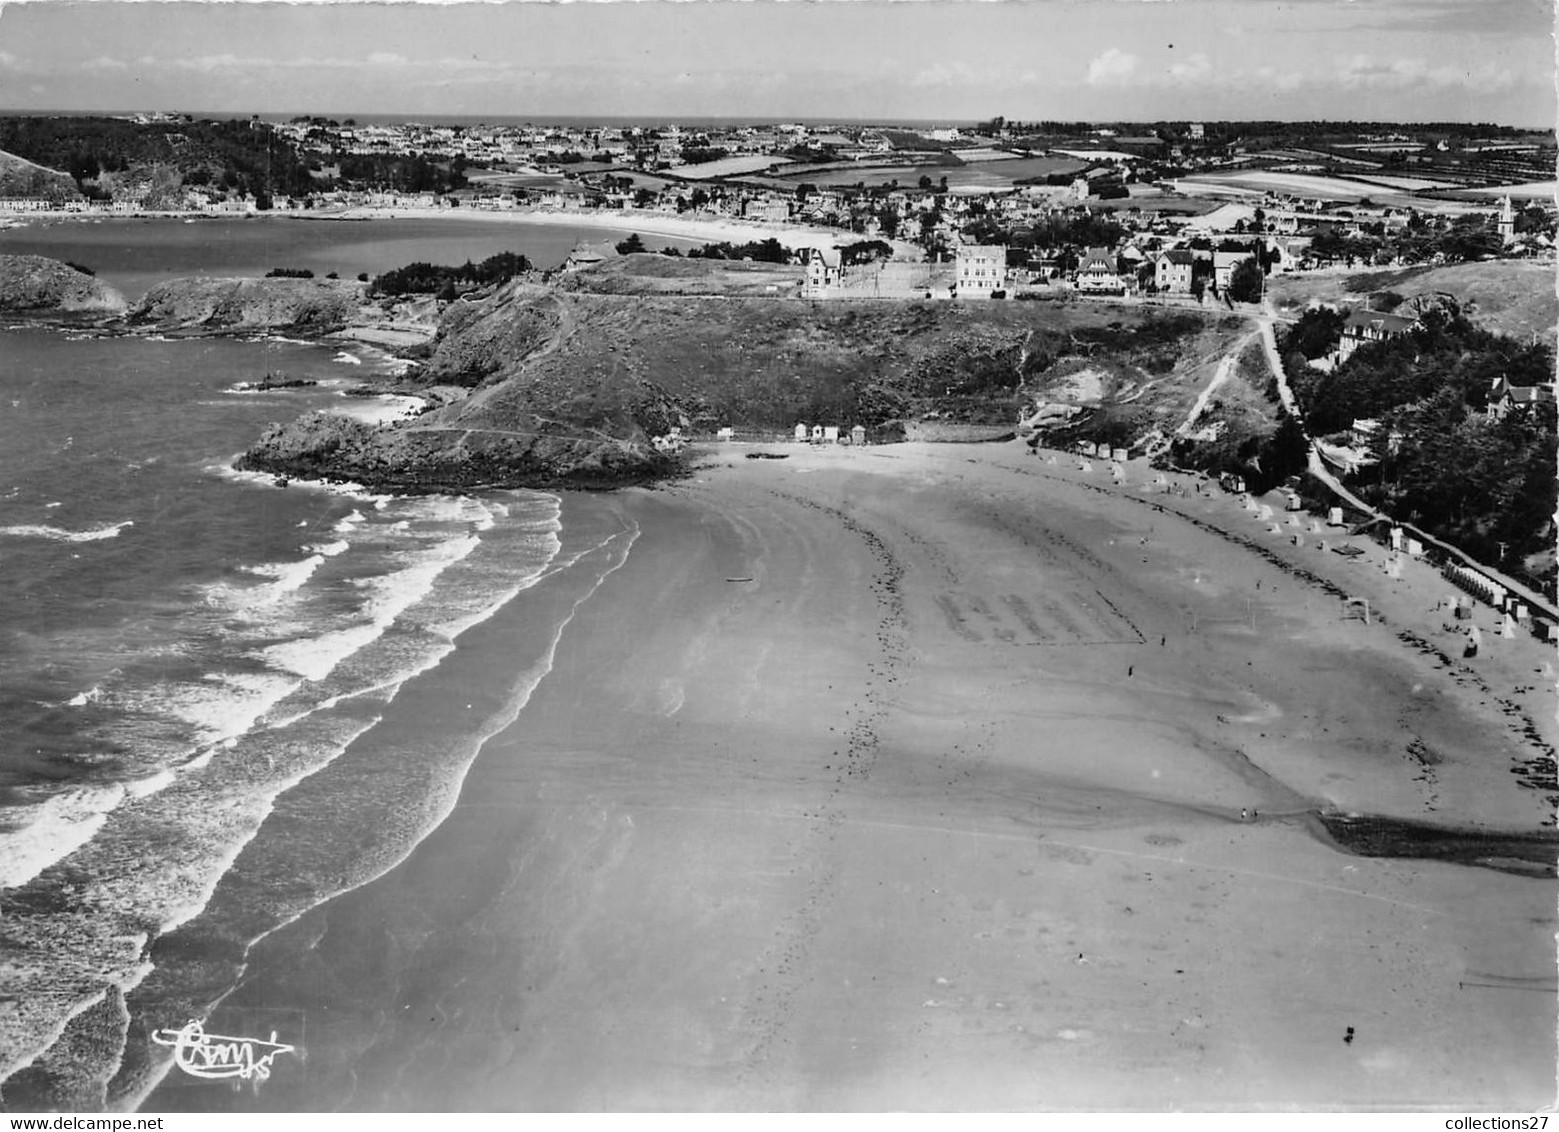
1507,223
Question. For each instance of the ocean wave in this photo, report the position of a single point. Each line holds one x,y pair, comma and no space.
155,852
59,534
388,596
347,359
52,829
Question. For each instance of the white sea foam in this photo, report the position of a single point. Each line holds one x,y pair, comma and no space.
90,696
380,409
195,818
347,524
328,549
223,705
347,359
316,657
59,534
53,828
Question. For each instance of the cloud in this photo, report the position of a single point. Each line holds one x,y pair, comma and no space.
1196,69
1114,67
940,73
104,63
385,59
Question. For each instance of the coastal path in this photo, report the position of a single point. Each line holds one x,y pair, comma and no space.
1317,467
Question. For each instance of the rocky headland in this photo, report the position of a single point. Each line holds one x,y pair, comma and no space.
211,305
36,284
573,383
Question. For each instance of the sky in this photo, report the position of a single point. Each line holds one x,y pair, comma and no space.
938,60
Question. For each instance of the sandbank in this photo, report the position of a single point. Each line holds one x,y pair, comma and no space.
946,777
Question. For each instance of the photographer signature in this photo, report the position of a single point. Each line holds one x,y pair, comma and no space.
216,1056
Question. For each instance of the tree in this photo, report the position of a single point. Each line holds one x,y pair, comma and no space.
631,245
1245,284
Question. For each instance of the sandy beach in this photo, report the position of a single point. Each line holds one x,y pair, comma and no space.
950,777
643,221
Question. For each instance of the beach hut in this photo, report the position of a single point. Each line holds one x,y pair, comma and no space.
1118,454
725,434
817,434
1334,517
831,434
801,434
858,434
1415,548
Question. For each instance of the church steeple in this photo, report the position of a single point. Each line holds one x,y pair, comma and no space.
1507,222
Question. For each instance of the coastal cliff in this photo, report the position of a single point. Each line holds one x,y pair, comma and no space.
305,306
35,283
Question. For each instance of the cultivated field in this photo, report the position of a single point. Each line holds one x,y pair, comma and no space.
730,166
992,176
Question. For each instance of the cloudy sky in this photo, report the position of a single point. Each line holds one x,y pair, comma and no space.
1411,60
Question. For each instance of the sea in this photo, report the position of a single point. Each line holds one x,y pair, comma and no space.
208,682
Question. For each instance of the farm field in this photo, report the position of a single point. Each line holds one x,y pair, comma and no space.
730,166
1532,190
992,176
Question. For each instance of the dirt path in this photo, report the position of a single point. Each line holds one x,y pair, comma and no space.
1224,372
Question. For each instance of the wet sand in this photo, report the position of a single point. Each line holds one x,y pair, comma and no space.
912,778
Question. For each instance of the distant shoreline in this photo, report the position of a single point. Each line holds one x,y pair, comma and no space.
616,220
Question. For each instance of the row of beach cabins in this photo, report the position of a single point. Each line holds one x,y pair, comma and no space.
1517,614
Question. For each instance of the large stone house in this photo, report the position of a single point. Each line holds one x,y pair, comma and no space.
980,269
1365,326
1097,273
1173,271
822,269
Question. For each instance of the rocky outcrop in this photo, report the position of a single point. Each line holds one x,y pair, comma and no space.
427,456
302,306
35,283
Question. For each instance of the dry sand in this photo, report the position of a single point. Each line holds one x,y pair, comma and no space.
866,783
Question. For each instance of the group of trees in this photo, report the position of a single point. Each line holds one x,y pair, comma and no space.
1440,460
242,156
448,282
404,173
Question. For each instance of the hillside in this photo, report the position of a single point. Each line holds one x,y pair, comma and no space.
22,178
1507,296
571,386
36,284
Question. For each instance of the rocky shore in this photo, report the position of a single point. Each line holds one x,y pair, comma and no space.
302,306
36,284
